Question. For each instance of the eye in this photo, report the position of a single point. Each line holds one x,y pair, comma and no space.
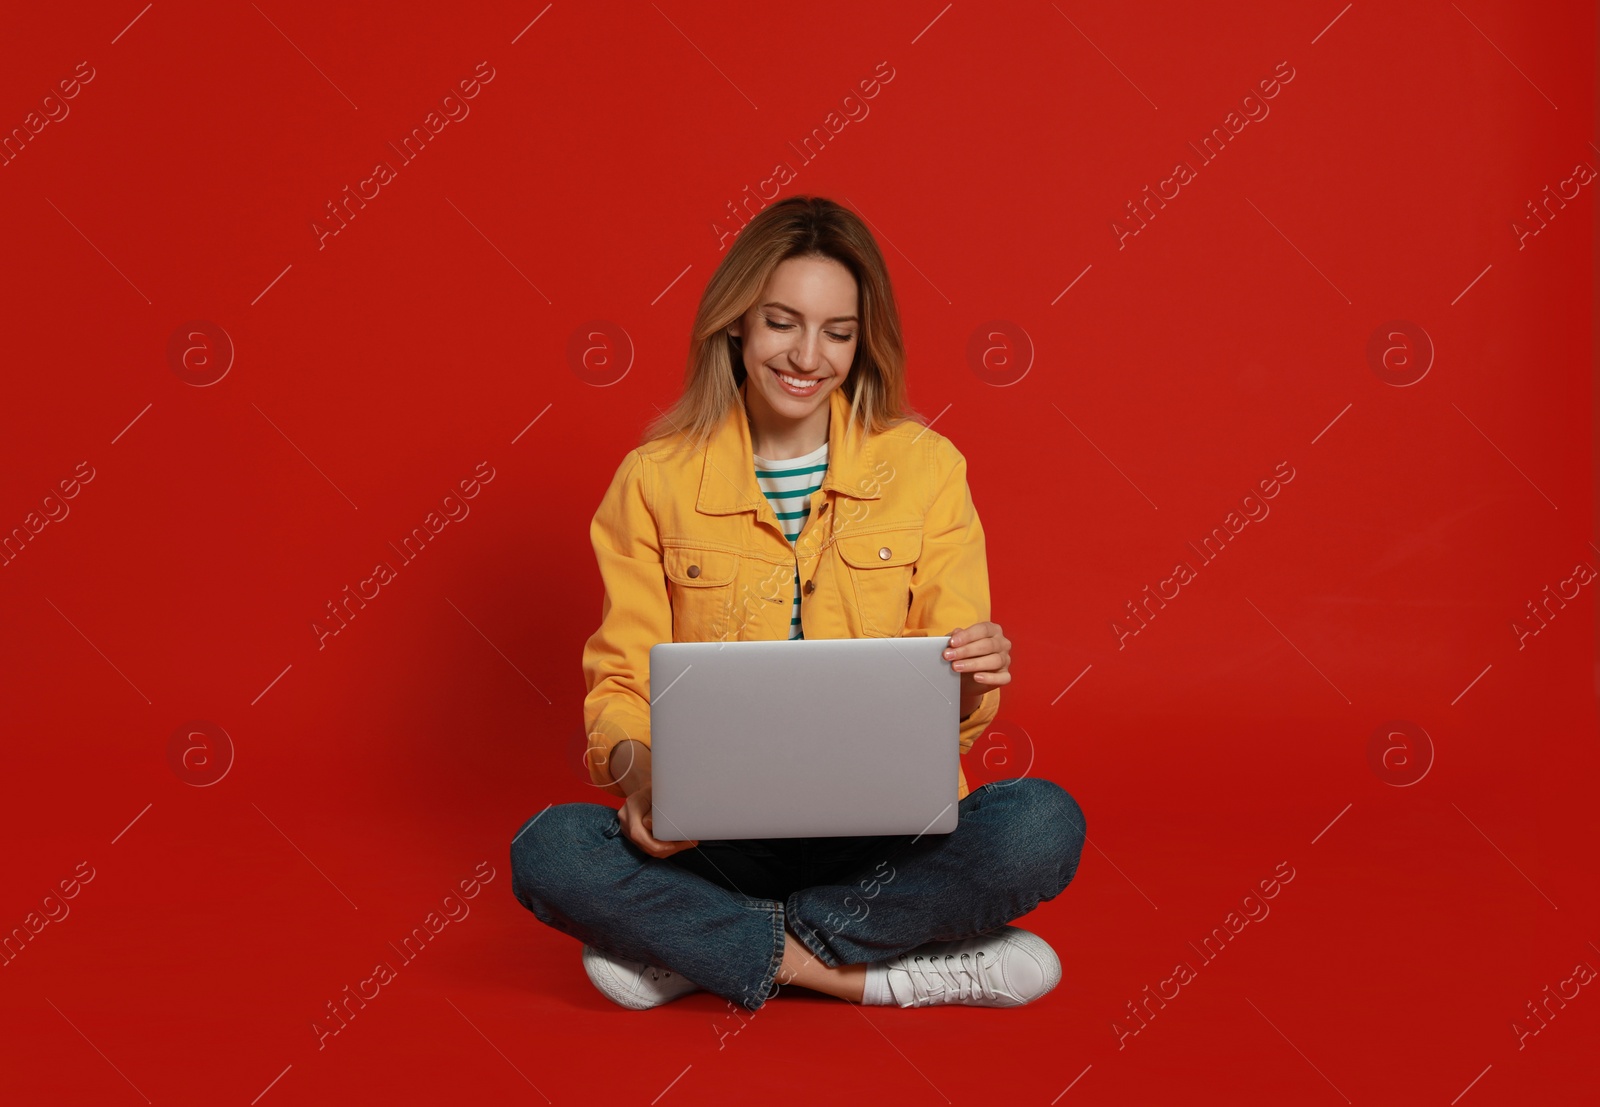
790,326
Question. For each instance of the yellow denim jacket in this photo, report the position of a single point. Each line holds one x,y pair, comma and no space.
690,551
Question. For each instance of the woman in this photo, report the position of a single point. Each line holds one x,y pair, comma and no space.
789,493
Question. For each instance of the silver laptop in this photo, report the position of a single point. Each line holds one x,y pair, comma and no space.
815,737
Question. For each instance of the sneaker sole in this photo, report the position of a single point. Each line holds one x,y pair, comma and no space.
604,978
1042,952
602,974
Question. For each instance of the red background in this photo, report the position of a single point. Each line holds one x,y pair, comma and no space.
587,183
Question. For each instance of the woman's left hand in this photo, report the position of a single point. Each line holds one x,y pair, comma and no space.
982,655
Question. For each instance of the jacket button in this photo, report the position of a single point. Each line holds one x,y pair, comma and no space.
811,586
822,509
884,553
694,570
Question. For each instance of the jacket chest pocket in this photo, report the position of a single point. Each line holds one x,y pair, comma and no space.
879,567
702,584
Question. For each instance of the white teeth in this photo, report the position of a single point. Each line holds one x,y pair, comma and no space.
797,383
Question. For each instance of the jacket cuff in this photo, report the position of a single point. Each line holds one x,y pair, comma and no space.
604,735
976,723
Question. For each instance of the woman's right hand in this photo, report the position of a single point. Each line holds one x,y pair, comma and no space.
637,824
630,768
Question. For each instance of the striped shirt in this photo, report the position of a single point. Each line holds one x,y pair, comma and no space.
788,485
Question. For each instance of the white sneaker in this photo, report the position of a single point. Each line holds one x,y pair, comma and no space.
634,984
1003,968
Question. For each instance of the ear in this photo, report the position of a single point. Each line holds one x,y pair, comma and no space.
736,328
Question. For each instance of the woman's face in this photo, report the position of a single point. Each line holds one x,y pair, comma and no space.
804,327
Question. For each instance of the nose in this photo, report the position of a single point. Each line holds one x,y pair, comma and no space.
805,355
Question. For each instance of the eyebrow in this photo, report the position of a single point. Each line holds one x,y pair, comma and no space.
792,311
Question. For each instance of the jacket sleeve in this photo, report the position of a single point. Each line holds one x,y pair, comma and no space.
635,614
950,583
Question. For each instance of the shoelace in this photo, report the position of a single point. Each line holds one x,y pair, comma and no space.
934,978
655,974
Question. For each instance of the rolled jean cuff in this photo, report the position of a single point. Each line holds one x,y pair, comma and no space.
752,1001
808,937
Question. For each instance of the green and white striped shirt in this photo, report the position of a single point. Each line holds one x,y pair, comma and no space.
788,485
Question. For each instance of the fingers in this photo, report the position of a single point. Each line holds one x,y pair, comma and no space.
975,653
657,848
637,829
979,638
981,654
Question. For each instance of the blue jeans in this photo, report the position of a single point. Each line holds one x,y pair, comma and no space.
716,914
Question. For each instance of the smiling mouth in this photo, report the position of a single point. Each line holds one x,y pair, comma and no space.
797,386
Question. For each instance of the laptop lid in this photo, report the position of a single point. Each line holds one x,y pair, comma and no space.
814,737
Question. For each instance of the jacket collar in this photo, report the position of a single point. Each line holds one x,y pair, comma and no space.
728,477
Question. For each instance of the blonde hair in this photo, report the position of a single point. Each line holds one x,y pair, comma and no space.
800,226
